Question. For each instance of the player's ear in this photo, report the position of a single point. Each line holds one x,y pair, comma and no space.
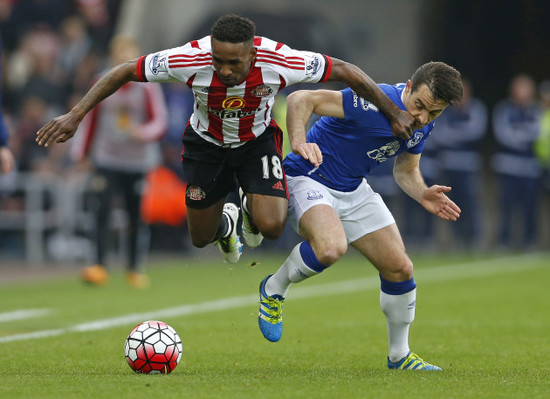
408,86
253,52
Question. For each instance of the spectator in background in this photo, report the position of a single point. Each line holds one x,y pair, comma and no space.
516,126
7,161
542,146
75,45
120,138
460,131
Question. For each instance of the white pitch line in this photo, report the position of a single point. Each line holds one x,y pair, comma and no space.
23,314
472,269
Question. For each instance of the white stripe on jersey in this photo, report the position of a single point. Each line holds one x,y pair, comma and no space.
234,115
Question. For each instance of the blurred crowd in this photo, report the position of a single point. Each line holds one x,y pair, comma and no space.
53,51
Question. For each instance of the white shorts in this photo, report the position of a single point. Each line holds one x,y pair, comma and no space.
361,211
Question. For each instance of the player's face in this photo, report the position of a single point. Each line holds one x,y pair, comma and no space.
232,60
422,105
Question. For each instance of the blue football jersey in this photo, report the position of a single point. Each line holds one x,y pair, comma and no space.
357,144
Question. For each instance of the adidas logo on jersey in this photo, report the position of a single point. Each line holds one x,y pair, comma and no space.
278,186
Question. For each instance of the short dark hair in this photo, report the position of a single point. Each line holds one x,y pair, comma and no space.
234,29
443,81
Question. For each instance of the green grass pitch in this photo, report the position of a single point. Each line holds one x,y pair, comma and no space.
484,319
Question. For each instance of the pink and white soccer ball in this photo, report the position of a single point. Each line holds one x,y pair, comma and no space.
153,347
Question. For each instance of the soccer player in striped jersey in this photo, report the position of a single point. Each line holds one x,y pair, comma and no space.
231,136
331,204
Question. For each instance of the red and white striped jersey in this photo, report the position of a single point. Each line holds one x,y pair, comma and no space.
105,134
231,115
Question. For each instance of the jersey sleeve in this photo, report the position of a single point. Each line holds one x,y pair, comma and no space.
295,66
176,64
356,108
415,145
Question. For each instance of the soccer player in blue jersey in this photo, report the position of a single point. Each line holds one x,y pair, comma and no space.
331,204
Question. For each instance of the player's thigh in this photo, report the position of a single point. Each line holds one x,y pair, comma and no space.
311,212
384,248
269,214
321,226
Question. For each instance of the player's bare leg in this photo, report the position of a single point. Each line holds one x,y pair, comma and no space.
268,214
326,243
217,223
386,251
203,223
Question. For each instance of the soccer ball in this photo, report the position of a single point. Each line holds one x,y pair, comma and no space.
153,347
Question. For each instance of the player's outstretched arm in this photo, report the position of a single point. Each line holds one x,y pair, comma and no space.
401,121
63,127
300,105
407,175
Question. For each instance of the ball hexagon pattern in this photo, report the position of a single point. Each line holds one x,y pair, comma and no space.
153,347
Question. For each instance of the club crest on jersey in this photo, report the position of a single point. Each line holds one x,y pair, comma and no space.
233,103
262,91
195,193
383,153
415,139
312,65
158,63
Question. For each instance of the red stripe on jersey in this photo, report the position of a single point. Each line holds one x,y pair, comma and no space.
268,61
215,101
280,56
189,82
140,70
188,57
294,63
283,83
252,102
278,46
194,43
193,64
328,68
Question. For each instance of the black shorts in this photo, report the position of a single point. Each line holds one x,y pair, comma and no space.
212,171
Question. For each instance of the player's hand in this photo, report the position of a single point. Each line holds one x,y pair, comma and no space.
436,202
402,124
58,130
309,151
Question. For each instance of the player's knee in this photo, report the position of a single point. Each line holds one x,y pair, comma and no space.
272,228
403,269
200,241
330,253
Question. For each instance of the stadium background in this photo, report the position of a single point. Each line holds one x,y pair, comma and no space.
488,41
